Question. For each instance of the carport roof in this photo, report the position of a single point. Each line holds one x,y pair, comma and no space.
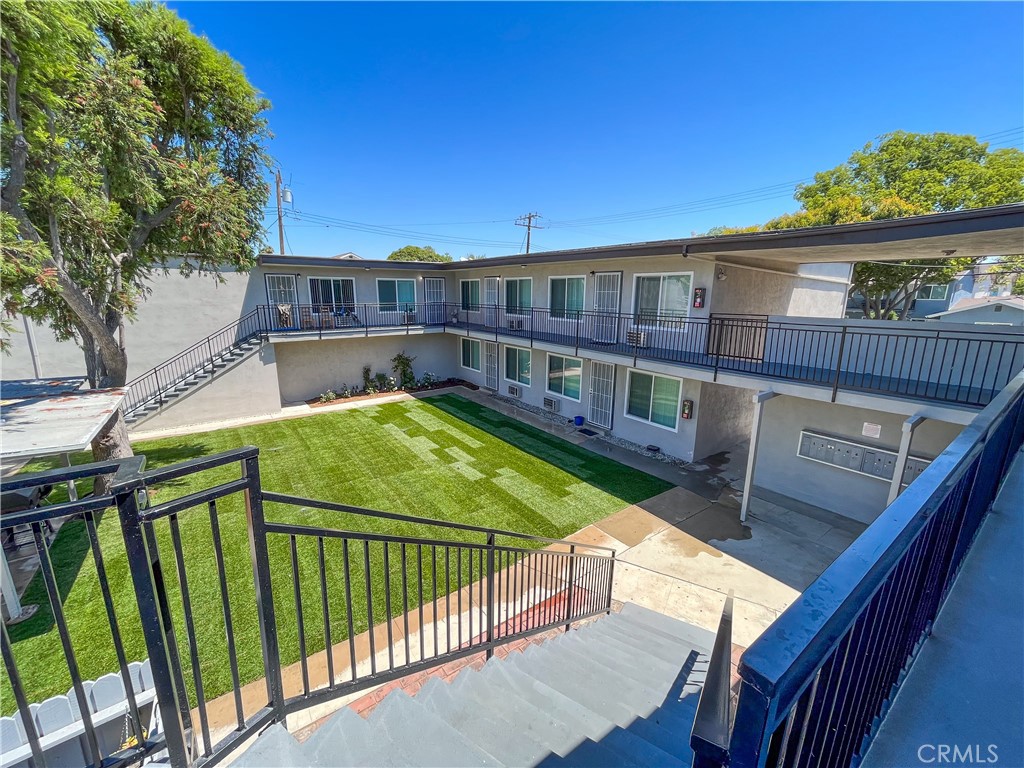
975,233
44,417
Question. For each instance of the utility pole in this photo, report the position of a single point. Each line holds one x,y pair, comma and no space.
527,221
280,212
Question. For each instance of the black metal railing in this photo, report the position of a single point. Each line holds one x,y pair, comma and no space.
461,589
203,357
817,683
462,596
920,362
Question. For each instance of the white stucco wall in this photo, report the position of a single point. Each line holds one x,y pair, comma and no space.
780,469
306,369
177,313
248,389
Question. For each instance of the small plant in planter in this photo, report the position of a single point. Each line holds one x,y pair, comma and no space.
367,380
402,366
346,392
428,380
380,381
392,385
329,396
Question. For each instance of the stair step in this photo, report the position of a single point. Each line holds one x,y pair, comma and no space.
275,748
481,725
430,741
655,647
345,741
702,639
579,666
528,711
588,690
588,755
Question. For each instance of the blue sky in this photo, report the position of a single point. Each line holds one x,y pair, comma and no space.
453,119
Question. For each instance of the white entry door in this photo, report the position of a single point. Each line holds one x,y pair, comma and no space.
602,393
490,301
607,295
490,365
433,295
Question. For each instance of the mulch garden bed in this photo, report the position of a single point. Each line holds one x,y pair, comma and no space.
315,402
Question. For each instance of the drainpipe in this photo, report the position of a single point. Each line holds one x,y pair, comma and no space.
30,337
755,433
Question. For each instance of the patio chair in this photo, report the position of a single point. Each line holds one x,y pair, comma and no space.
326,317
306,320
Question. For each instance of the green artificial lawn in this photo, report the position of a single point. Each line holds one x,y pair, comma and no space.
442,457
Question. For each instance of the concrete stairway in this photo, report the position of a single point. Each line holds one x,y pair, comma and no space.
208,371
620,691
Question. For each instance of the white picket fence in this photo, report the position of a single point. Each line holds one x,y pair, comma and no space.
58,721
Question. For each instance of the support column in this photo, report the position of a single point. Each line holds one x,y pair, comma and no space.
909,426
72,490
755,434
8,590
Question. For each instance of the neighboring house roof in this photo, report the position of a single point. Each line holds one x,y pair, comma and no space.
348,255
1016,302
975,233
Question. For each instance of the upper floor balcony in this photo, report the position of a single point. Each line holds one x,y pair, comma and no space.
954,365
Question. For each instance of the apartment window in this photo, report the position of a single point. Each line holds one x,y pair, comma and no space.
393,295
566,296
933,292
470,291
518,295
471,354
281,289
654,399
339,293
565,376
662,299
517,365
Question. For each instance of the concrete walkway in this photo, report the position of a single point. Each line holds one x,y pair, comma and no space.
966,688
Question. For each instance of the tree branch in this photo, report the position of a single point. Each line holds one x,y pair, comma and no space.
145,224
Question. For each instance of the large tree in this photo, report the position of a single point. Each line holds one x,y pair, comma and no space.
130,146
906,174
418,253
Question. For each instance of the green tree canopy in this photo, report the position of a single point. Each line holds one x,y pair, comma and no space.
418,253
130,146
905,174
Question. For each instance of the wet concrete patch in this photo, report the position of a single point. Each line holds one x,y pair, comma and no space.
717,523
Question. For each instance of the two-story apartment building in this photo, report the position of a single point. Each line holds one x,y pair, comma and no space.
690,345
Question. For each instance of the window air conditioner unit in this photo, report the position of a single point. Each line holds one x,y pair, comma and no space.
515,390
516,324
552,404
636,338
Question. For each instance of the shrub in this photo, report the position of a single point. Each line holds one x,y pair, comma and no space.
380,381
428,380
367,379
328,396
402,366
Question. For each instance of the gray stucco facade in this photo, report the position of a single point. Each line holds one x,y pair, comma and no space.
781,470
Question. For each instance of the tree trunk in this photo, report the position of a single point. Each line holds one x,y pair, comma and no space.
111,443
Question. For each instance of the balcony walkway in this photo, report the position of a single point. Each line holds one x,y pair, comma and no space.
961,392
966,689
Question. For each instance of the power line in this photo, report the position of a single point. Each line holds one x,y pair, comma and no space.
357,226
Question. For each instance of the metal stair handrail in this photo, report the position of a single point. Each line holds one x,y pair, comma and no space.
150,386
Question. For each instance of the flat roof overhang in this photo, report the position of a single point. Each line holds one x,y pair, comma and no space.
975,233
46,417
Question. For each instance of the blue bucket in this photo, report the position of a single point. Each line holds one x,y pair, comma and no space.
578,421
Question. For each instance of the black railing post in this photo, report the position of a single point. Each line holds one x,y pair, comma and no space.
209,350
255,524
572,583
839,363
490,595
159,389
153,611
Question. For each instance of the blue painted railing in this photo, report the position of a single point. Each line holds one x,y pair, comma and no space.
816,685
